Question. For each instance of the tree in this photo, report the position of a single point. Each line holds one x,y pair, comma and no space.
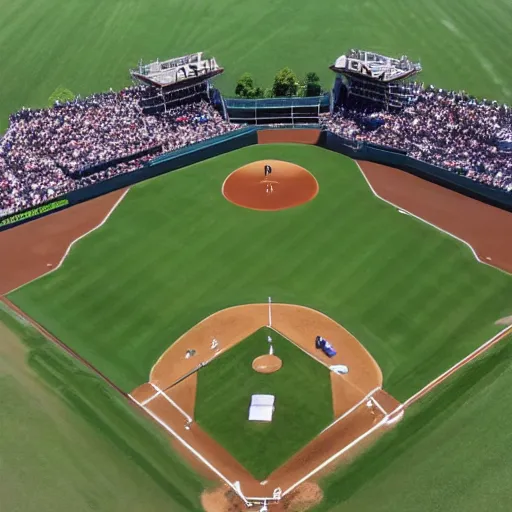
258,92
268,93
312,84
245,87
60,95
285,83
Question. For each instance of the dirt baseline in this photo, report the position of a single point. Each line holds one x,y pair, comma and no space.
287,186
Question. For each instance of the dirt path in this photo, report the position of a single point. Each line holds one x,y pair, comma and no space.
34,248
486,228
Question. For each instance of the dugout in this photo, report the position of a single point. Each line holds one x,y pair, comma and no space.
290,111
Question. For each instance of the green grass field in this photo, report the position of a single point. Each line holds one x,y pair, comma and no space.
68,442
302,388
175,251
64,434
89,46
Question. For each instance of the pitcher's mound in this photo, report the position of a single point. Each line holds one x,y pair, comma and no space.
288,185
267,364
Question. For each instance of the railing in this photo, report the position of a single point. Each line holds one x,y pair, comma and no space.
264,103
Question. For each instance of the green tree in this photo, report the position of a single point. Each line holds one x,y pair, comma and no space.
312,84
61,95
268,93
258,92
285,83
245,87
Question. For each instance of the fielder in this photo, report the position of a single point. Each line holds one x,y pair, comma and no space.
267,170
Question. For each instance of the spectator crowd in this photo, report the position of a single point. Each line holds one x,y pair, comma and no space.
42,147
443,128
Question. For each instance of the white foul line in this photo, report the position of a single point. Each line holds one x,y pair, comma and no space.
326,462
150,399
397,414
374,401
402,210
460,363
352,409
66,253
172,402
192,449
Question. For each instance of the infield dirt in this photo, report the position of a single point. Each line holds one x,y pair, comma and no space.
231,326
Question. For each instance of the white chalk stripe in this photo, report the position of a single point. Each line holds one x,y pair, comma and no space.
378,405
310,354
402,210
351,410
460,364
397,414
172,402
336,455
396,418
192,450
73,242
151,398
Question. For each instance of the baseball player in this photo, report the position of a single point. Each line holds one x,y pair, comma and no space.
267,170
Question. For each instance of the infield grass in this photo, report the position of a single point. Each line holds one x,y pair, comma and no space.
89,46
175,251
68,442
303,407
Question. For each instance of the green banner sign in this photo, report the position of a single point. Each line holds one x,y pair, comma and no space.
35,212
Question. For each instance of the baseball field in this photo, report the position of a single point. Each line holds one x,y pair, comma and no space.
172,254
162,267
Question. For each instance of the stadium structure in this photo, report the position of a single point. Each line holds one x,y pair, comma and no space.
264,111
186,79
175,81
364,77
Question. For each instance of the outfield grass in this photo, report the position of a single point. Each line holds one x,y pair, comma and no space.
89,46
302,388
175,251
449,453
68,442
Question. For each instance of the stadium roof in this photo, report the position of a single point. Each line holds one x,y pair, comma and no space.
375,66
187,70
